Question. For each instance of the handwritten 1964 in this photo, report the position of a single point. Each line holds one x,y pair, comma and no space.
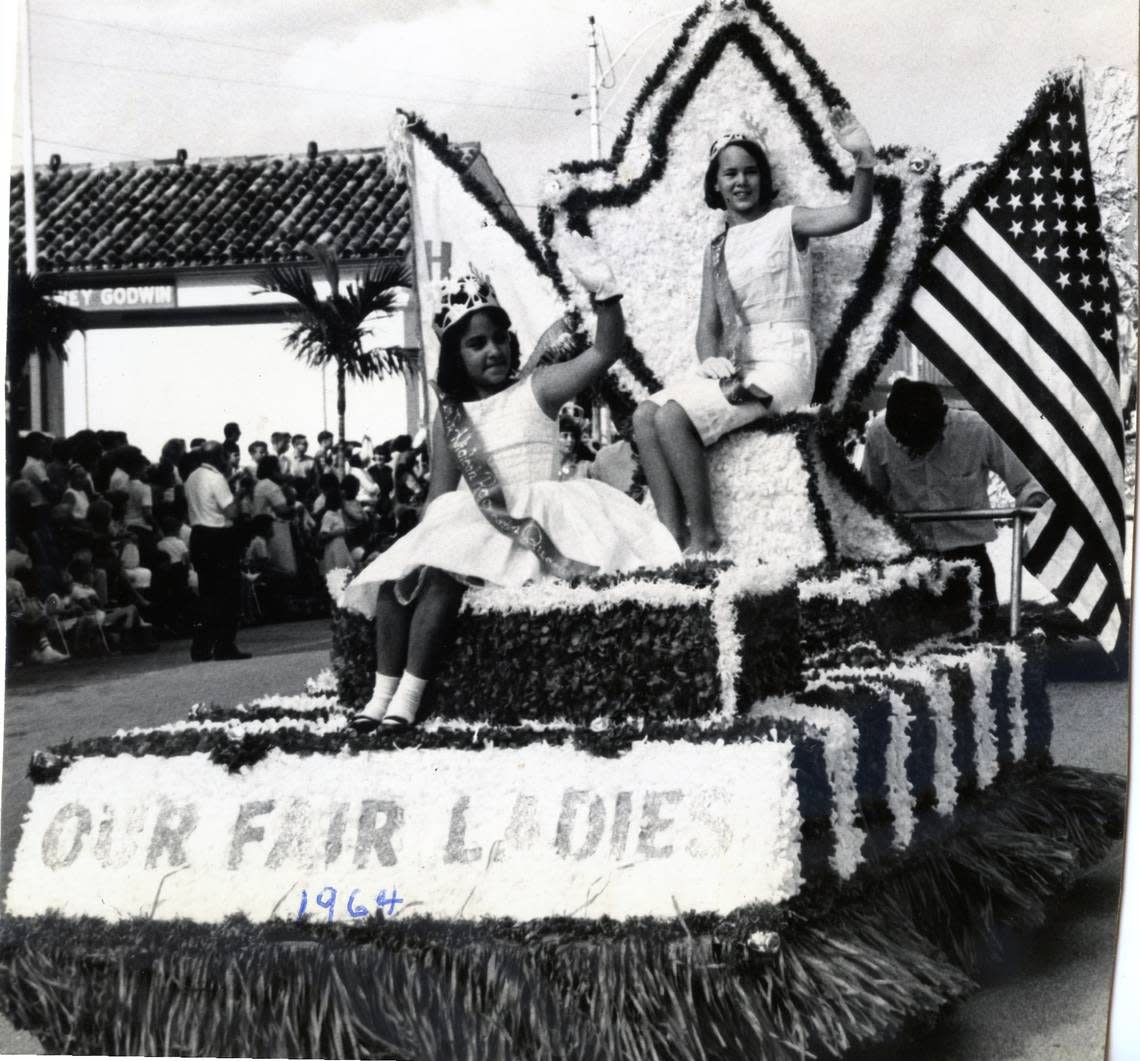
327,896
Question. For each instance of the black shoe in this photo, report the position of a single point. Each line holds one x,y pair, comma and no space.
363,724
233,652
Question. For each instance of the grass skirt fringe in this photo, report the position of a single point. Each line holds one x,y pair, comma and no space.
829,972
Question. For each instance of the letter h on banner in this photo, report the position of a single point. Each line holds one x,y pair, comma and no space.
443,259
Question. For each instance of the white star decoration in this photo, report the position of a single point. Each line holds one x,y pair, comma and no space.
992,203
1061,226
1035,147
1035,174
1082,254
1053,119
1014,175
1085,281
1057,174
1063,252
1074,149
1106,335
1055,146
1015,202
1037,201
1086,306
1063,280
1039,227
1040,254
1016,228
1082,228
1079,202
1058,200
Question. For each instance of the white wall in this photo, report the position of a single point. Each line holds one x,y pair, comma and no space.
159,383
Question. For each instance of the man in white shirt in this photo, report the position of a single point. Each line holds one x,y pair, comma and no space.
215,553
923,456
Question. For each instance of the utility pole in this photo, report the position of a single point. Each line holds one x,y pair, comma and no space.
31,253
595,86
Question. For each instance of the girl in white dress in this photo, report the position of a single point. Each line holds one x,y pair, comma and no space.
496,513
754,341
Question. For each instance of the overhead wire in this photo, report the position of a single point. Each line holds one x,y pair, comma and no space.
275,51
356,93
85,147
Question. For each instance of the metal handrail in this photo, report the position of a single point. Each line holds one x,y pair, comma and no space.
1016,515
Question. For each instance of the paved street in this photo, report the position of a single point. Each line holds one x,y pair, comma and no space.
1049,999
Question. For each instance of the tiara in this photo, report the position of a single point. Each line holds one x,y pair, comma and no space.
752,136
460,296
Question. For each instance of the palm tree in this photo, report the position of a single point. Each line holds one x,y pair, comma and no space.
332,329
37,324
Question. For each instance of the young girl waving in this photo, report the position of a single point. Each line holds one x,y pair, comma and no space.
496,513
754,341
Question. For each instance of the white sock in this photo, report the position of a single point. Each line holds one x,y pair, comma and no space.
406,701
381,695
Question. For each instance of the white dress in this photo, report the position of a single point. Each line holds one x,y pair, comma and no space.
586,520
771,281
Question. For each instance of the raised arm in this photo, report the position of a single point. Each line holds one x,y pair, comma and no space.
831,220
554,385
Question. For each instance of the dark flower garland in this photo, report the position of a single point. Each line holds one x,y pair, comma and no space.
822,517
930,209
830,435
236,752
889,191
258,713
544,261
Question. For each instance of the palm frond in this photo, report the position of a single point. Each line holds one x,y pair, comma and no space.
36,322
294,281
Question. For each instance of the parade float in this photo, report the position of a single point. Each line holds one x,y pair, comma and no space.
777,806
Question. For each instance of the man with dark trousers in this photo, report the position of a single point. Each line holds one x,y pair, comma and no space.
215,552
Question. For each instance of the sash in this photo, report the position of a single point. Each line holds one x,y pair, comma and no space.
734,328
467,448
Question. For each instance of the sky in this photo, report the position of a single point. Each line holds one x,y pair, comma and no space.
120,79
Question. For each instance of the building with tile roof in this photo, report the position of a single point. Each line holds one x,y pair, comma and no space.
175,242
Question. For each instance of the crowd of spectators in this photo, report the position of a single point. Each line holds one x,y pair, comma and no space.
98,535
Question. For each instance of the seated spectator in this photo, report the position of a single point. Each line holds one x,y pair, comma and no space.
28,622
78,492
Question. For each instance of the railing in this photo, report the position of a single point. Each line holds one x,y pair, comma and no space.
1018,516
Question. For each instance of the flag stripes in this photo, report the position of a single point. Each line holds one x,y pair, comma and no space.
1012,413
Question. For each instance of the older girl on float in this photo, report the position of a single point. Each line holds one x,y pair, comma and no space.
496,513
754,343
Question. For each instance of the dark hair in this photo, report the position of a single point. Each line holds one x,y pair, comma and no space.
714,199
170,524
268,467
350,487
255,444
231,429
299,438
916,415
322,435
451,377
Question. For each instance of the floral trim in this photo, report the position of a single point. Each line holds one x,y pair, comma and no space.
819,509
544,262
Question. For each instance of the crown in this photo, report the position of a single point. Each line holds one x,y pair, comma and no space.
462,295
753,134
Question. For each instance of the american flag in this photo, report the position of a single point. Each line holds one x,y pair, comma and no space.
1018,310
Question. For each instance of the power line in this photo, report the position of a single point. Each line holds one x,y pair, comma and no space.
277,52
85,147
356,93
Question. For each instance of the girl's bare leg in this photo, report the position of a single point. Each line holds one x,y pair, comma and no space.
685,454
658,474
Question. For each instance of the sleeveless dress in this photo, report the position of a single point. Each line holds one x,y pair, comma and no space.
770,279
587,520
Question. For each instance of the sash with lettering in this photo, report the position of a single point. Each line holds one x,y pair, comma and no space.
734,331
467,448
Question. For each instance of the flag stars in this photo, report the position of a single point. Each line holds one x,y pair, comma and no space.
1085,282
1058,200
1035,147
1086,306
1015,202
1040,254
1057,173
1071,120
1082,230
1017,228
1063,252
992,203
1037,201
1106,335
1039,227
1036,175
1083,254
1054,118
1014,175
1079,202
1063,280
1061,226
1055,146
1074,149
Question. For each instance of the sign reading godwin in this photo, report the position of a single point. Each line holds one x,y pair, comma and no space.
127,297
524,833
